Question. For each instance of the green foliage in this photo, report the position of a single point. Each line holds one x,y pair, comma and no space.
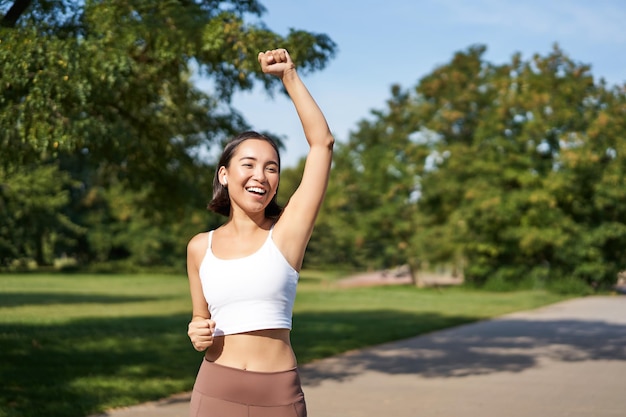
122,231
106,90
33,220
527,177
570,286
518,172
116,82
369,215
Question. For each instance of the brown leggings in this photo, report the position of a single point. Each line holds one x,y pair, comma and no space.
221,391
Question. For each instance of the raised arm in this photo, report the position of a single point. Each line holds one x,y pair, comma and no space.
293,231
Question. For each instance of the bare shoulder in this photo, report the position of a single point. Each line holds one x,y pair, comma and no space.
198,244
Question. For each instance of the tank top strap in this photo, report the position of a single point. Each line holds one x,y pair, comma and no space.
210,240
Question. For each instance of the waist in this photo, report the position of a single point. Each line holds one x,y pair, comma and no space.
261,389
261,351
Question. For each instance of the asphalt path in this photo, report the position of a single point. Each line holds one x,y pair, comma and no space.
566,359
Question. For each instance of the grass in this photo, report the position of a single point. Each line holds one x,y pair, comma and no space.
76,345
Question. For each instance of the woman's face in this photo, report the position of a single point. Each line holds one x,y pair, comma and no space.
252,175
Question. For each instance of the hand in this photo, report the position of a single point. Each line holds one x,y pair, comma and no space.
276,62
200,333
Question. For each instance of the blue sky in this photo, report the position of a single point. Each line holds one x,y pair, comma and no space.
381,43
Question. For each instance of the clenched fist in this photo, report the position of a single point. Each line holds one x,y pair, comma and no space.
200,333
276,62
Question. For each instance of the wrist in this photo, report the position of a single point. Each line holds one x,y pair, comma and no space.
289,74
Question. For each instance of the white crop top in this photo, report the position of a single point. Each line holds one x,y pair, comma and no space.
251,293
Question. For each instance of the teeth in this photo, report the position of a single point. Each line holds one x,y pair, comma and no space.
256,190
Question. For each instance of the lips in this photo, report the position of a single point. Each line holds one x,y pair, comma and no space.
256,190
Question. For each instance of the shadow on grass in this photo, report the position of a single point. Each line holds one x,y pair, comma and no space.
81,368
17,299
85,366
506,345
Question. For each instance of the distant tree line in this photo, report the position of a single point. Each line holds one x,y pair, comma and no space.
512,174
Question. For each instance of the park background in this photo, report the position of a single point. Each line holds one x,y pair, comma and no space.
481,140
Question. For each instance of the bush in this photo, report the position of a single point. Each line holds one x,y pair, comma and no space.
570,286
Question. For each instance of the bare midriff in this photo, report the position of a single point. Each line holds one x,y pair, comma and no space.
259,351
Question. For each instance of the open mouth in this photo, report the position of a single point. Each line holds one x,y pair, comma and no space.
256,190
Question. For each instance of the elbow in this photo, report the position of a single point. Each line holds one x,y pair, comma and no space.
329,142
322,141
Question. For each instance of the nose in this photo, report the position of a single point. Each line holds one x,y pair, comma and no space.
259,174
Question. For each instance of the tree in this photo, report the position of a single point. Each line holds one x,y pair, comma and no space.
108,88
32,215
113,80
502,191
369,213
517,169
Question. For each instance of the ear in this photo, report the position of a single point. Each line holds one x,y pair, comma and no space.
221,175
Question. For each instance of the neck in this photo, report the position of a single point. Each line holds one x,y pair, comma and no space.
245,224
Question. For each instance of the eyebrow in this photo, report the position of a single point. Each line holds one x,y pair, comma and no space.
255,159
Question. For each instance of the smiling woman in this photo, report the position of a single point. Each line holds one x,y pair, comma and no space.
249,147
243,275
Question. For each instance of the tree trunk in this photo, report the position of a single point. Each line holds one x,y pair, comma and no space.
414,271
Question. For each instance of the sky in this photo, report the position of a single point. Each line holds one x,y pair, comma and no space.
385,42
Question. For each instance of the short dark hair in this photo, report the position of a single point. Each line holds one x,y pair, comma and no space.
220,203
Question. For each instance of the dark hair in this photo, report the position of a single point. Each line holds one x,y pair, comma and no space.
220,203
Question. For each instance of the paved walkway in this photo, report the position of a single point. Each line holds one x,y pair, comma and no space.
567,359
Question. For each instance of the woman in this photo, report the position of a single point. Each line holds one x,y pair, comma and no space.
243,275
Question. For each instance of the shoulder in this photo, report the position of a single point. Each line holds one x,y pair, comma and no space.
198,244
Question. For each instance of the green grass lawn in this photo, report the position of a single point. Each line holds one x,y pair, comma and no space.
76,345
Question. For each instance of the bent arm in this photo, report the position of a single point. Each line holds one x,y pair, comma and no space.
200,328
